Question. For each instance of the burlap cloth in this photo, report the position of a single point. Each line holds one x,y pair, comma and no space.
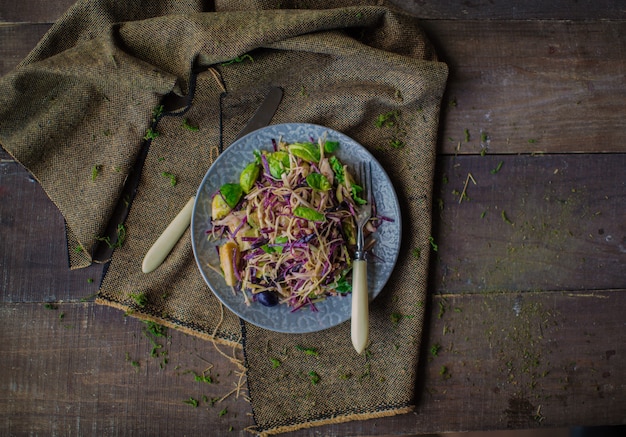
74,113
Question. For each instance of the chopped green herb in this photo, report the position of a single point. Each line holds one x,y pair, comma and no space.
532,141
314,377
61,316
90,280
417,253
222,412
95,171
483,214
190,127
238,60
140,299
442,309
484,137
445,374
387,119
506,218
307,350
396,143
466,133
50,306
78,249
434,350
157,111
207,379
395,318
275,363
121,236
150,134
192,402
171,177
303,92
498,167
434,246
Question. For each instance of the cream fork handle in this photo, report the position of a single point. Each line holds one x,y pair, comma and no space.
168,239
360,306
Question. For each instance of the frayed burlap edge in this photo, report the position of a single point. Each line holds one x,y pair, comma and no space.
213,337
331,421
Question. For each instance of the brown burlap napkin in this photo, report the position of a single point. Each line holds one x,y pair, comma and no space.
75,113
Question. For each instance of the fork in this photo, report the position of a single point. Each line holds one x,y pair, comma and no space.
360,294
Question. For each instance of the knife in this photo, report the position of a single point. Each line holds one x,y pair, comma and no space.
175,230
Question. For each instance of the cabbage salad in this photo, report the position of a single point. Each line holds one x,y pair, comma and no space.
287,228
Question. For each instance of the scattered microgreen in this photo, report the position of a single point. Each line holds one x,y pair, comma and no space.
150,134
467,135
157,112
483,214
532,141
191,402
140,299
238,60
434,349
121,236
307,350
506,218
392,120
95,171
78,249
484,137
222,412
172,178
50,306
444,372
498,167
189,126
89,280
434,246
442,309
275,363
417,253
314,377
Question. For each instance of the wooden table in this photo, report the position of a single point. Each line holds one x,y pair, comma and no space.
528,281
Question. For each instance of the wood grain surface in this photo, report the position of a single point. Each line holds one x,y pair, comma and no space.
528,278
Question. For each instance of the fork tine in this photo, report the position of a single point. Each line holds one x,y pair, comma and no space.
368,176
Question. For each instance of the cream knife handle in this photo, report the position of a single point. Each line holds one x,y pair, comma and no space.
360,306
168,239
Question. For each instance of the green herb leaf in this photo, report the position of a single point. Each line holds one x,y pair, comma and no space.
307,350
275,363
314,377
150,134
95,171
191,402
190,127
308,214
222,413
171,177
498,167
238,60
337,167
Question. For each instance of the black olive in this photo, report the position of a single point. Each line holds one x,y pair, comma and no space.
267,298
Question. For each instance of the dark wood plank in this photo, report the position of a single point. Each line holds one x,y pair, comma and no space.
523,87
33,256
513,10
548,222
16,41
491,361
74,375
33,11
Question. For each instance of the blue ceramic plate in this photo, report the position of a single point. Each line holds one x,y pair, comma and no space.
333,310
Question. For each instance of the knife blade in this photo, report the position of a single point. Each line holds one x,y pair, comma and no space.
177,227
